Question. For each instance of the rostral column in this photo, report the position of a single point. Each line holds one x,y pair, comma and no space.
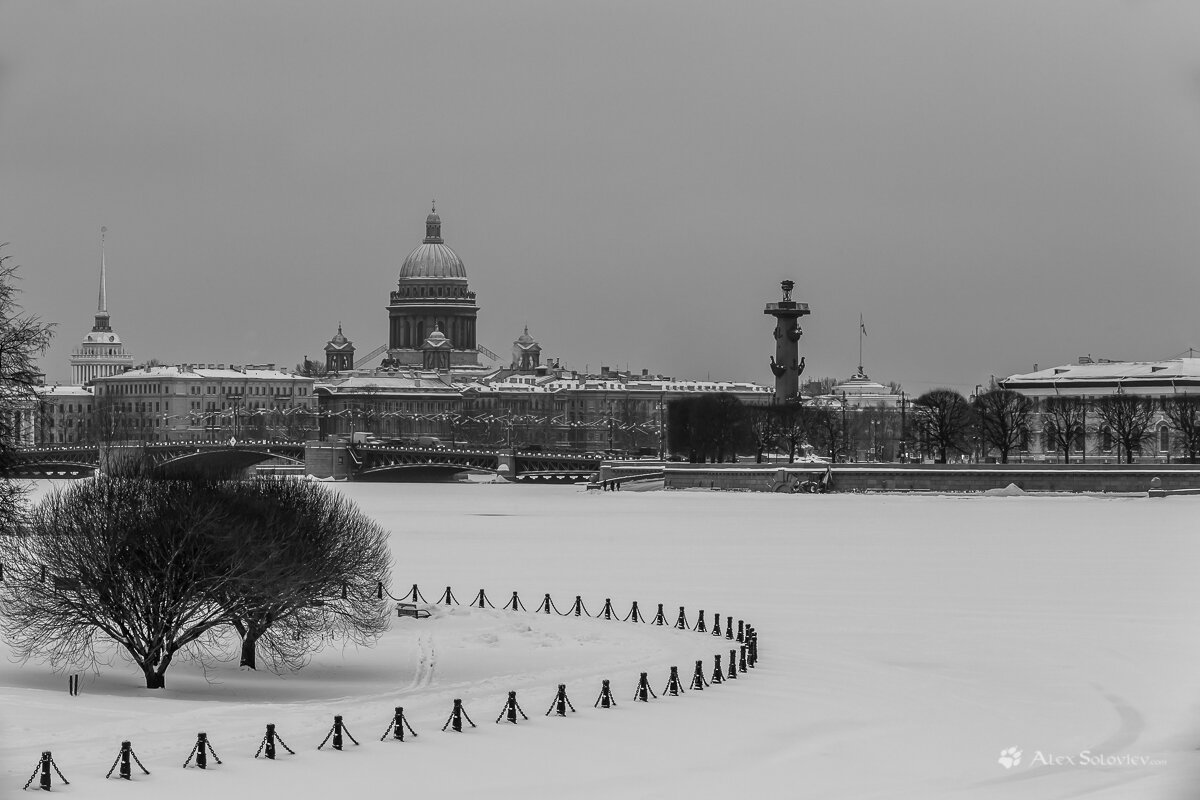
786,363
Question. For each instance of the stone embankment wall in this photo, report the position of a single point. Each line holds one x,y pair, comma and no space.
936,477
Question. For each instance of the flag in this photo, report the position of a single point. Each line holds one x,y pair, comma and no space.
861,326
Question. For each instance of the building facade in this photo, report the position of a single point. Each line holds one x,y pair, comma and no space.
64,415
210,403
1091,380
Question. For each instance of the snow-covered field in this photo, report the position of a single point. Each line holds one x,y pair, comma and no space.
905,642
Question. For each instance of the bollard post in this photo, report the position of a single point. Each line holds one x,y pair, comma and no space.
729,627
742,659
200,752
43,768
717,677
700,627
397,725
659,618
46,761
681,623
578,608
608,612
644,692
511,709
674,687
123,759
741,631
606,699
716,624
732,664
270,739
457,714
698,682
546,603
561,702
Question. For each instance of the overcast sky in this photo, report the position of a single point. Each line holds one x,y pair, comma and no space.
991,184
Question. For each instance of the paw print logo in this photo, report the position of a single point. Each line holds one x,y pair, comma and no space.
1010,757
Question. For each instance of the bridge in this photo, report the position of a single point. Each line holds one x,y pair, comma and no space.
409,462
362,462
53,461
164,458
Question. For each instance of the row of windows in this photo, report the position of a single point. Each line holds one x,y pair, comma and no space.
430,291
157,388
1107,441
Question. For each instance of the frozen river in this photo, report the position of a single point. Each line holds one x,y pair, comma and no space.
906,642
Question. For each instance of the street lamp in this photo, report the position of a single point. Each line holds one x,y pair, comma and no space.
845,432
660,407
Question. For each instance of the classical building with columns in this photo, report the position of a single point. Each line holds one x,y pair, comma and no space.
1089,380
432,295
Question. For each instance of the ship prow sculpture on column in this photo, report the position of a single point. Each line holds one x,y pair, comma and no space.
786,364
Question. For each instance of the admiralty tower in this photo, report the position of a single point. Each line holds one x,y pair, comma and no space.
101,352
432,295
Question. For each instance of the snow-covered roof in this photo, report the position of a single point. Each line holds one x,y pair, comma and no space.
63,391
232,373
1129,375
398,382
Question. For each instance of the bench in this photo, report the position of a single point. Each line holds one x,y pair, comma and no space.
411,610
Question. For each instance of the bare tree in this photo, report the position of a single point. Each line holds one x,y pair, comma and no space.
827,432
763,425
1063,422
23,338
1003,417
793,426
114,562
943,419
312,369
1129,418
153,568
316,561
1183,412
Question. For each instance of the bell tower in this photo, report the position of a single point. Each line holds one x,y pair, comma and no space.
786,364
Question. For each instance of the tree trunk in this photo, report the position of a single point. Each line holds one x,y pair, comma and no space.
155,679
249,642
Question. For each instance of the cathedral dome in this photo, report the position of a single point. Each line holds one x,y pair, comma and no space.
432,261
432,258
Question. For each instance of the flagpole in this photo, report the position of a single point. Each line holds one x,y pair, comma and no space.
860,335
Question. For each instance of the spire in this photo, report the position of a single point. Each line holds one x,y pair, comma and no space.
102,306
102,301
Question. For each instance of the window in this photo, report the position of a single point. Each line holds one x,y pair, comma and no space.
1164,439
1106,440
